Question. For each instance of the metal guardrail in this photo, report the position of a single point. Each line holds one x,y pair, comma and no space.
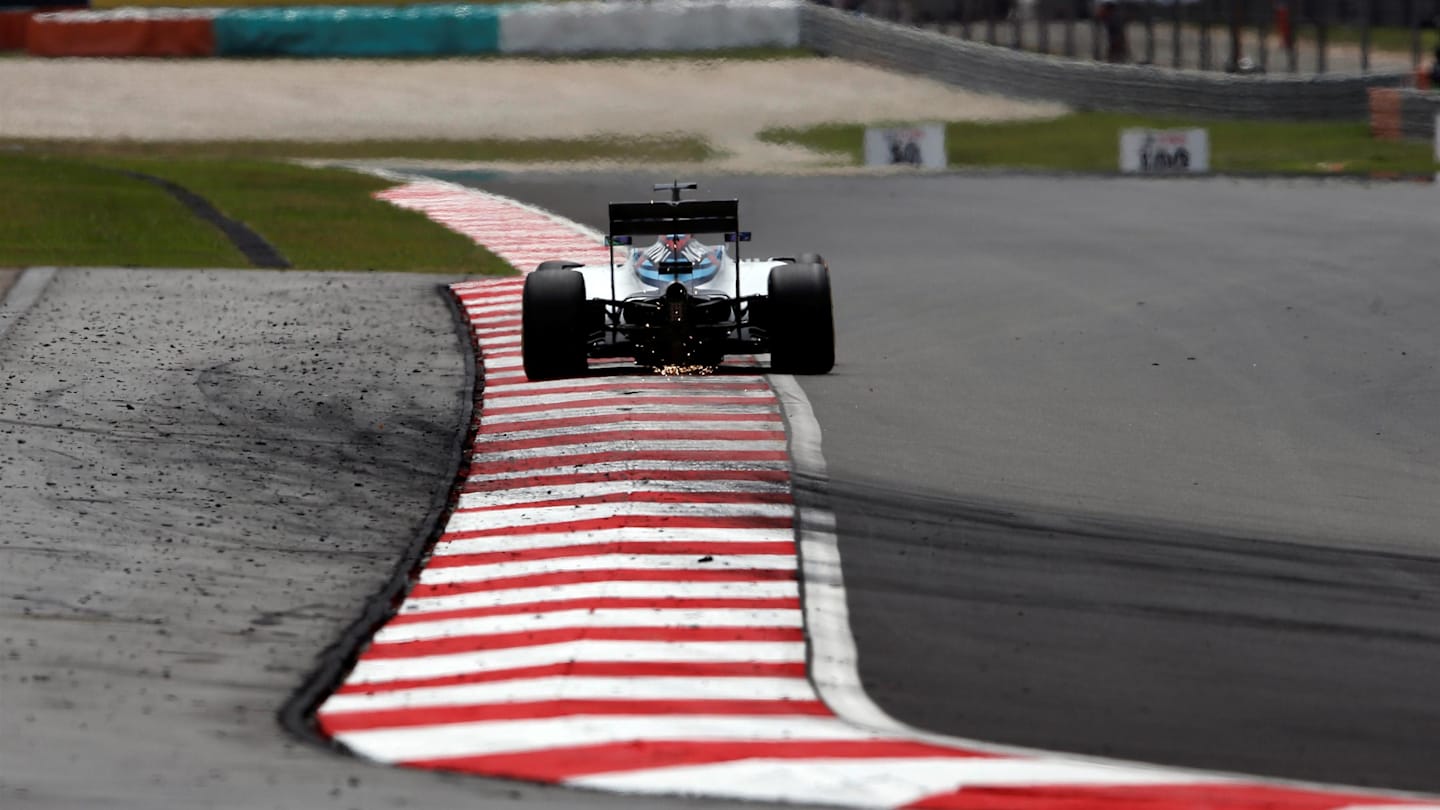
1417,111
1087,84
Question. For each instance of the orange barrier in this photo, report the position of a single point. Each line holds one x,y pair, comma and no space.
1385,113
168,32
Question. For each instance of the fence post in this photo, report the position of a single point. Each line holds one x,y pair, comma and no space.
1070,28
1413,18
1322,33
1204,34
1262,31
1149,32
1366,10
1237,16
1175,46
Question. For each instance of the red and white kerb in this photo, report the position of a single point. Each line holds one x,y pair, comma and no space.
615,602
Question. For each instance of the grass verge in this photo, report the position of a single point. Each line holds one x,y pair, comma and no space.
670,149
55,211
1089,142
64,203
65,211
1391,39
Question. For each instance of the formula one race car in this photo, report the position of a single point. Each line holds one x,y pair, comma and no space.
678,304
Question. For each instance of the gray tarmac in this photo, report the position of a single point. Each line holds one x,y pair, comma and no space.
1134,468
204,476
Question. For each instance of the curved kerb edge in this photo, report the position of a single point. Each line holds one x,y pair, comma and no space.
833,657
297,714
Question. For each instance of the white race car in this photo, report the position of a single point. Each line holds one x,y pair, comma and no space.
679,303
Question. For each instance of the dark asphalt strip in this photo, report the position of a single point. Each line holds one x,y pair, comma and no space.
1133,639
297,715
252,245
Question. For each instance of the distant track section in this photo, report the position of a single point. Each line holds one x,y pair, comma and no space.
615,602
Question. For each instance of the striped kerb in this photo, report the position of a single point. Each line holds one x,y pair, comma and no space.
614,602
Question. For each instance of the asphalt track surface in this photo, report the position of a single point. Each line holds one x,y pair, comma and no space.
1145,469
203,478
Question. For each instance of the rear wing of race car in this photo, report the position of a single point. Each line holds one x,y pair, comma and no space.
676,216
683,216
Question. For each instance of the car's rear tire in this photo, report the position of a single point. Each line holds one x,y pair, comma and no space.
552,325
557,264
800,319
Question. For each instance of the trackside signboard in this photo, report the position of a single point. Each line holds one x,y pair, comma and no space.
920,145
1165,151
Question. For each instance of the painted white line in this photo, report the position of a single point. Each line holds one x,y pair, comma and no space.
617,396
502,308
622,652
545,515
679,563
834,666
511,338
764,589
656,469
488,333
473,739
880,782
600,617
597,489
543,540
698,410
637,427
711,445
573,687
752,382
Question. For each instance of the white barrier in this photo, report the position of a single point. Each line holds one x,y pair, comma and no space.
918,145
626,27
1165,151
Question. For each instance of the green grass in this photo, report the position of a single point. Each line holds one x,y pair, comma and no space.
324,219
65,203
59,210
1382,38
1088,142
670,149
62,212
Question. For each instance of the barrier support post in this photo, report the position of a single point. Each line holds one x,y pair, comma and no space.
1366,9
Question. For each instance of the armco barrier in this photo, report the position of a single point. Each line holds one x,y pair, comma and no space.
619,27
1418,109
426,30
122,32
1404,112
1087,85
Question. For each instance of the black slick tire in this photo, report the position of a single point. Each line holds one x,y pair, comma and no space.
552,326
801,320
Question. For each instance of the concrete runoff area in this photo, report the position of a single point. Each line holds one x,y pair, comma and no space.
204,475
7,278
726,102
1132,468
